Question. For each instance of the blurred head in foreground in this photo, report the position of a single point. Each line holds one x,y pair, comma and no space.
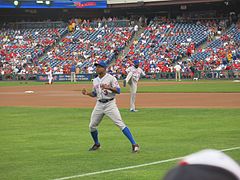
207,164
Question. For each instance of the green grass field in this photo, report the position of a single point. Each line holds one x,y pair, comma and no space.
36,83
50,143
194,87
207,86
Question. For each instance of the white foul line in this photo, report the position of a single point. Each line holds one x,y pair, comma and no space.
132,167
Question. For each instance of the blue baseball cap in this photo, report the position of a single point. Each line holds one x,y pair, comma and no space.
136,62
101,63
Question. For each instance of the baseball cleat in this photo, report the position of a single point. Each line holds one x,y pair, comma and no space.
133,110
135,148
95,147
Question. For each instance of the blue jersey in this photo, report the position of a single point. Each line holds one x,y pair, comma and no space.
73,68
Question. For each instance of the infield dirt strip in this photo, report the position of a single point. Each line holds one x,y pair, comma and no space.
70,96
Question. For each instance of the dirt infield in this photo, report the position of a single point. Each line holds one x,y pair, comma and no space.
70,96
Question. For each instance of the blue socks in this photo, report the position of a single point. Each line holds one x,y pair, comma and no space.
95,136
125,131
128,134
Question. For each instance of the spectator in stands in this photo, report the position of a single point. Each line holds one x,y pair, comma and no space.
193,71
136,28
90,69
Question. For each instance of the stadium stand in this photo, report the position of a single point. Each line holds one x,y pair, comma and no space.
197,41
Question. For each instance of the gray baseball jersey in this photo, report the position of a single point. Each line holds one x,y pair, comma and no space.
132,79
108,107
103,93
136,73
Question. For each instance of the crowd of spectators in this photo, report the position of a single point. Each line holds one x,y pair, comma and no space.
87,41
162,59
20,49
90,41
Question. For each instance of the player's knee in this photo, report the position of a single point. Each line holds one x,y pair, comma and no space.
121,125
92,128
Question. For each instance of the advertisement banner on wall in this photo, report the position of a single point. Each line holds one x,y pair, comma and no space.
65,77
53,4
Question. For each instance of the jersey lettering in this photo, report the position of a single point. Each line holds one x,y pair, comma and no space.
104,93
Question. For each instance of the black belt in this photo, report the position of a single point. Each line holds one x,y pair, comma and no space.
105,100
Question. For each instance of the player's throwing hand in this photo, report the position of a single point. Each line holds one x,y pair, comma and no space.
84,91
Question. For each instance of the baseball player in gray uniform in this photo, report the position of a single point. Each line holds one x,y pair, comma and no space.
105,87
134,74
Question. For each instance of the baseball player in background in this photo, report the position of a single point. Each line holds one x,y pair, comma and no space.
105,87
73,72
134,73
177,68
50,75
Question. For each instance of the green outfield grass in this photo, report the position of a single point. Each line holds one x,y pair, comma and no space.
191,87
48,143
35,83
159,86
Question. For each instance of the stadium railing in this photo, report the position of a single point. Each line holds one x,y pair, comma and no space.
32,25
225,75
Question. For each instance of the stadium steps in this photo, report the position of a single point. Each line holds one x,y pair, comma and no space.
44,55
209,44
125,51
